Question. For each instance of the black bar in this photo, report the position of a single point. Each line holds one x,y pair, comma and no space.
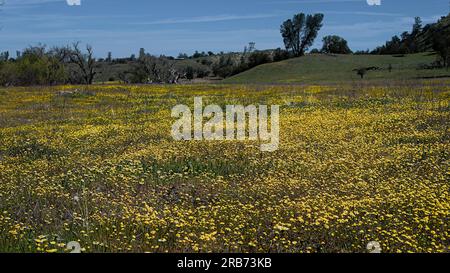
227,262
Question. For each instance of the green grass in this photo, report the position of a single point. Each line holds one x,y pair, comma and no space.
320,68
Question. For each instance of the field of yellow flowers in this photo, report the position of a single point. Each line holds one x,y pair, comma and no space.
97,165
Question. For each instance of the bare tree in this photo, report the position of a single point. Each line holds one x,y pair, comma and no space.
152,69
175,75
84,61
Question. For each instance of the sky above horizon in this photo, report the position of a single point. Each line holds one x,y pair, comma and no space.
173,26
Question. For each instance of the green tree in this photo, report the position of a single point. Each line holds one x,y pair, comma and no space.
258,58
335,45
224,67
4,56
280,55
142,53
36,66
189,73
109,57
441,44
417,27
300,32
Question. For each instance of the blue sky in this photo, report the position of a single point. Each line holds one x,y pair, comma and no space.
174,26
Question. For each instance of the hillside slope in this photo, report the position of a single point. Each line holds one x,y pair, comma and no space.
442,26
320,68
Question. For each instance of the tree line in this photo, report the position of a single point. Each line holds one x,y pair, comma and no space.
74,64
38,65
431,37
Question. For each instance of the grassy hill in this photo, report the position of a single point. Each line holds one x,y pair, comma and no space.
320,68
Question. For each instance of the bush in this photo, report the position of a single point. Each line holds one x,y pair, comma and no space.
190,73
35,67
280,55
258,58
333,44
224,67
